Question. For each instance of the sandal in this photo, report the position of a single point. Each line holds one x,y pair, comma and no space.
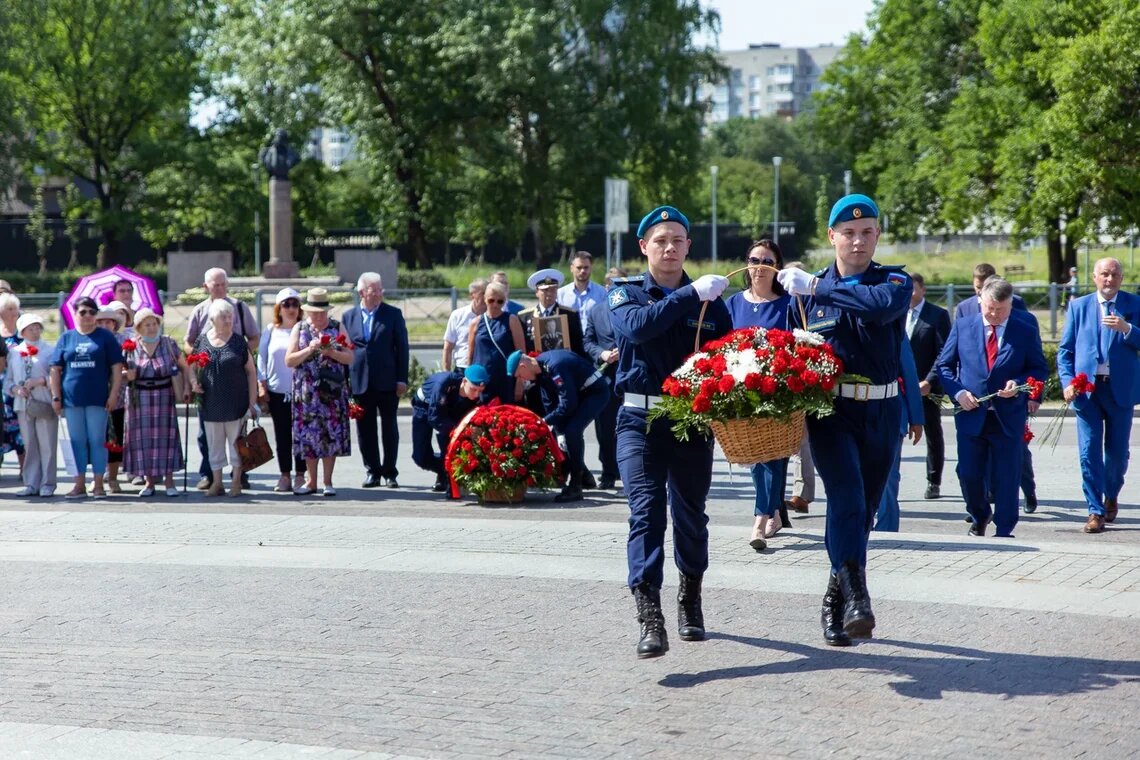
147,491
73,494
772,527
113,487
305,490
283,485
98,494
757,541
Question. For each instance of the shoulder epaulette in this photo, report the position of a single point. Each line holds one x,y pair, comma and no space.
637,279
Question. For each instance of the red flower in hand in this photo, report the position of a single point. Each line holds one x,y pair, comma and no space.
129,345
1027,436
355,411
30,350
342,340
326,341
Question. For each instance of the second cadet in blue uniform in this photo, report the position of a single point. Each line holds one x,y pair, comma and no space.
438,406
655,320
859,307
573,394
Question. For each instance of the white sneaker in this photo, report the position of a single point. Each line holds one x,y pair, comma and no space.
329,491
173,492
147,491
26,491
47,491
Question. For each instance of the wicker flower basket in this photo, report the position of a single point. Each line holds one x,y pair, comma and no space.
762,439
504,495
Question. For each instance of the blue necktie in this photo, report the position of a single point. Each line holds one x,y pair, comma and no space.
367,325
1105,335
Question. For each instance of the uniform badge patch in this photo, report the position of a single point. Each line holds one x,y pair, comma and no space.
856,212
819,313
664,214
557,380
896,278
618,297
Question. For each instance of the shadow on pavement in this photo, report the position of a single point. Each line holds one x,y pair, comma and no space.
958,669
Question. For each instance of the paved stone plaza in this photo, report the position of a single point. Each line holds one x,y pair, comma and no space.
393,624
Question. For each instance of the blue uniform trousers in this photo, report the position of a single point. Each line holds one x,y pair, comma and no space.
660,472
1000,455
590,404
853,450
605,426
769,479
422,452
1103,430
887,516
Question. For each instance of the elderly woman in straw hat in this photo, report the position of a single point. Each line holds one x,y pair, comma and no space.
228,386
27,383
158,377
319,353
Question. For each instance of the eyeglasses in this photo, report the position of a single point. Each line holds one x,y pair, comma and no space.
86,312
290,304
766,262
495,300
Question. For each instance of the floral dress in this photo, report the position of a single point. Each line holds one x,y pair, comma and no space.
10,438
320,423
152,442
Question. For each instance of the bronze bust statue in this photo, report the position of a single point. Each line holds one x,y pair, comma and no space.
279,157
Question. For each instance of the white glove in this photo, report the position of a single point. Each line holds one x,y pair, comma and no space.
796,281
710,286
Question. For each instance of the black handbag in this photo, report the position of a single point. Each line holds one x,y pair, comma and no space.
330,383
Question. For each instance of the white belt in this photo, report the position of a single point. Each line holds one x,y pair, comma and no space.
420,395
641,402
591,380
864,392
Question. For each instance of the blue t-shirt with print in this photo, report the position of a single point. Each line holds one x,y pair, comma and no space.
86,362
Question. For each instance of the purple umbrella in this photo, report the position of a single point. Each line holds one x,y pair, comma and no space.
101,287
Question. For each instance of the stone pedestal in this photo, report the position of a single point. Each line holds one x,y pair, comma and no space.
281,263
185,270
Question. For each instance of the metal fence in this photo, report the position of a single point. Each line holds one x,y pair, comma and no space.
426,310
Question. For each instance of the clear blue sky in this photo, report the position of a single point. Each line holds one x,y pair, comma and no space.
791,23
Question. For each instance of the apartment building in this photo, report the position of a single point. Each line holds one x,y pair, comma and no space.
766,80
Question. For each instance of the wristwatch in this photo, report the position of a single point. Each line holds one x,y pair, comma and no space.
56,399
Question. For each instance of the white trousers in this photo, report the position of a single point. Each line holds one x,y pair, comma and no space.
40,443
220,438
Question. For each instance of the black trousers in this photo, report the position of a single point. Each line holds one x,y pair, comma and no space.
605,427
383,403
935,442
281,412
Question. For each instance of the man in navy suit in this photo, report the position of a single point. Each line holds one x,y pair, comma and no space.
1101,340
927,327
993,352
379,375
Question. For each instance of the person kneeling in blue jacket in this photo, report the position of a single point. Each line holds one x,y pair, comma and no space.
438,406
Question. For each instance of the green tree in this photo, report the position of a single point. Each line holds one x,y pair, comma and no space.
73,207
104,93
38,229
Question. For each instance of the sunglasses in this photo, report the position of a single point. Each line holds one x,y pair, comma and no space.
86,312
495,300
290,304
766,262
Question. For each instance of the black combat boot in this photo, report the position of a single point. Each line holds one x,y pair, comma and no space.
654,642
441,483
690,619
573,489
831,616
858,619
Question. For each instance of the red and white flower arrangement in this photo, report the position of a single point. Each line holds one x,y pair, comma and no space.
502,450
751,373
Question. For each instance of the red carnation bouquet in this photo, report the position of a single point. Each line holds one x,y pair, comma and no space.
751,373
497,452
198,362
1052,432
355,411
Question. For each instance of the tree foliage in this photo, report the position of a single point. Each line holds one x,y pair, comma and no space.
1012,114
102,92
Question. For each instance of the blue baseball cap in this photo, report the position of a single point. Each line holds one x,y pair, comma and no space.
513,362
476,374
659,215
850,207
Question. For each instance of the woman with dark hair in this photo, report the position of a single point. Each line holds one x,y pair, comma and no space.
86,372
763,303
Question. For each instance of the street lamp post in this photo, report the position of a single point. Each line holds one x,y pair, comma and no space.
776,160
847,182
256,170
713,170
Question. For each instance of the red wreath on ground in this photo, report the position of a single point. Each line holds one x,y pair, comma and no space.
530,437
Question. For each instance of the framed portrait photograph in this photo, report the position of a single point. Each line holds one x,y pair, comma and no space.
551,332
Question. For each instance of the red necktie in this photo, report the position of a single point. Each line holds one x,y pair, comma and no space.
991,348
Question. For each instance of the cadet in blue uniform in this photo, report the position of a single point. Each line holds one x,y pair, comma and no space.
573,394
442,401
859,307
655,322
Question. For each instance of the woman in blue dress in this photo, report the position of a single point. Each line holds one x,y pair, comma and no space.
491,339
763,303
